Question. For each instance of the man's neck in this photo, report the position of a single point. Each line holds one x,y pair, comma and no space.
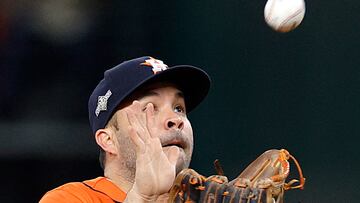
120,179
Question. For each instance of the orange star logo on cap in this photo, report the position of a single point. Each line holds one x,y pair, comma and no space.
157,65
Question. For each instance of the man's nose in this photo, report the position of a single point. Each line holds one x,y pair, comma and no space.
175,123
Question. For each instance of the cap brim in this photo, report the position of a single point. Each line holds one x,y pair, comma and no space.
192,81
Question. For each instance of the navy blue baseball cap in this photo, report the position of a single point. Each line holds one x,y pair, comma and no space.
122,80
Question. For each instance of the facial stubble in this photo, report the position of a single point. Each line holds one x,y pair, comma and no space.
128,156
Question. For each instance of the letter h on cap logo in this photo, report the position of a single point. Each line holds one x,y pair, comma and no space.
102,103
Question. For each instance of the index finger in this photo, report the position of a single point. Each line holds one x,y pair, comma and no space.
150,118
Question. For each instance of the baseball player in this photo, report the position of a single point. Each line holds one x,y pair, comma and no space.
138,115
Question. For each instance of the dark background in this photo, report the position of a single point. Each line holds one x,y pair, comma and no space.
299,90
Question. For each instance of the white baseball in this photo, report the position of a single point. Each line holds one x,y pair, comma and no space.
284,15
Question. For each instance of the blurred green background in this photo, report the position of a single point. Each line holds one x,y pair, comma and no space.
299,90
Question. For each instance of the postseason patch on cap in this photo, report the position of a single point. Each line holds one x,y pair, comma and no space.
102,103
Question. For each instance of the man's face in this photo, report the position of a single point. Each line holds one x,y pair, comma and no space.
172,126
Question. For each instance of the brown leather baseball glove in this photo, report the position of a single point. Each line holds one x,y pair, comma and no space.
263,181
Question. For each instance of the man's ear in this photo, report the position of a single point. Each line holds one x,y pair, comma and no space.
105,139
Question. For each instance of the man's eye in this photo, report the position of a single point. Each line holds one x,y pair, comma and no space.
179,109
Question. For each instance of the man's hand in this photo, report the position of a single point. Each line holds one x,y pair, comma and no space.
155,172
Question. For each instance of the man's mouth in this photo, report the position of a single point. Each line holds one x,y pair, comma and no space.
174,143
